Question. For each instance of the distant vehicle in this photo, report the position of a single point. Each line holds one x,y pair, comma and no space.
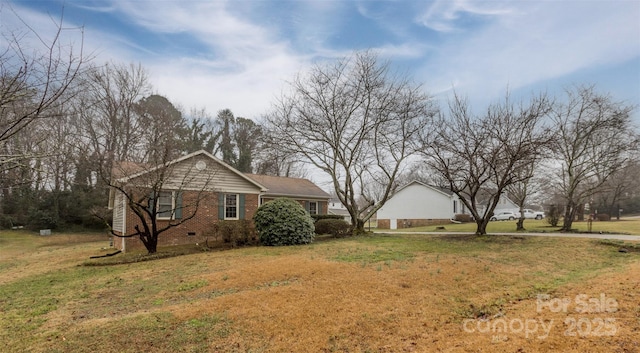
504,216
531,214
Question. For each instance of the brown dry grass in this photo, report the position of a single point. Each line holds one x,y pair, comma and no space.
372,294
25,255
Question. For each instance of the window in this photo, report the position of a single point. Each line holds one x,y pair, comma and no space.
230,206
455,206
313,207
165,204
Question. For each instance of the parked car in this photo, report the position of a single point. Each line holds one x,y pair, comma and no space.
531,214
504,216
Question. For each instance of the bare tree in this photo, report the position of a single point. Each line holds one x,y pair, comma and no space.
521,190
594,138
109,109
622,183
37,76
161,195
272,159
357,122
480,156
112,130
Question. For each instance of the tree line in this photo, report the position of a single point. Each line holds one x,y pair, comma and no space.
65,122
365,126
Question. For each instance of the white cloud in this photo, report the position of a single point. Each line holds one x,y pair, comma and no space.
442,14
540,41
248,52
246,65
247,93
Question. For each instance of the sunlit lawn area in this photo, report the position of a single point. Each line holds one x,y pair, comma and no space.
376,293
623,226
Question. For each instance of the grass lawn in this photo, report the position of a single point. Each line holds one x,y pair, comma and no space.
623,226
380,293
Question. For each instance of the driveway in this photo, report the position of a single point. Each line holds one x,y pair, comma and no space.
562,235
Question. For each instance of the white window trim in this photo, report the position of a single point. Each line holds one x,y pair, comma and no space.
316,203
237,207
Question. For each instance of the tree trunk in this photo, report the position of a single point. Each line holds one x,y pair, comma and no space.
152,246
520,224
150,242
482,226
569,214
358,227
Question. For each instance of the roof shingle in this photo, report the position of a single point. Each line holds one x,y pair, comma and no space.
291,187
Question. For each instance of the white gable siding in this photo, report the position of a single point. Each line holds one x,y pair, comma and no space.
417,201
215,176
505,204
118,212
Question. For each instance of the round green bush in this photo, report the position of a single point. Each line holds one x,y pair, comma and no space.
335,227
283,222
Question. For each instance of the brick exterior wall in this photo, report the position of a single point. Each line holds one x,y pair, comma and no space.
192,231
384,224
323,206
409,223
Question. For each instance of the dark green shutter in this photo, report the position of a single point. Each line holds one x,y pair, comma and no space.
220,206
178,212
241,206
152,202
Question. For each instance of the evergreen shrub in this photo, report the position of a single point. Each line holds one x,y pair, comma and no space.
283,222
335,227
317,217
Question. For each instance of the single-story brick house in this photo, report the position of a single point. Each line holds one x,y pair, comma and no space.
308,194
201,185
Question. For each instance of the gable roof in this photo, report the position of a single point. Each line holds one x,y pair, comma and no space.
289,187
435,188
138,169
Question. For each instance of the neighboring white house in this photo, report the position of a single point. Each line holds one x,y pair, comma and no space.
335,207
504,204
418,204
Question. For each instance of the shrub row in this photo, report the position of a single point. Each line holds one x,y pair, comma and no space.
317,217
279,222
335,227
464,218
236,233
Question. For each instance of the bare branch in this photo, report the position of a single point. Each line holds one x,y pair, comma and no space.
356,121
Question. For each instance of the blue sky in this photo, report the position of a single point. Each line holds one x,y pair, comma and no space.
238,54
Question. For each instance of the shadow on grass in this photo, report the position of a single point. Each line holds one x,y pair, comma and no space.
162,253
622,246
491,238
